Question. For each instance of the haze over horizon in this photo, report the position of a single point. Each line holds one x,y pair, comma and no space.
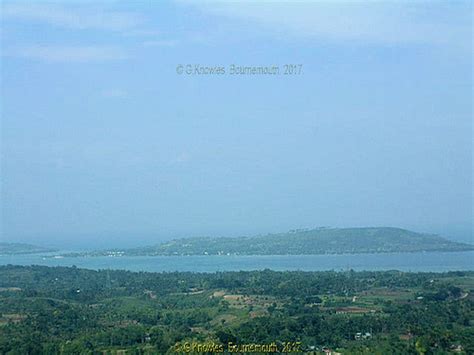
104,143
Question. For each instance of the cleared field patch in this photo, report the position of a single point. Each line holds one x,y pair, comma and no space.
226,318
464,282
10,289
11,318
218,293
241,301
378,294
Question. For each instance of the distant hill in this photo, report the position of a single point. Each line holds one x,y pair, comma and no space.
21,248
303,242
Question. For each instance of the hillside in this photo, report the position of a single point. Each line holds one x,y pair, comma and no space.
69,310
304,242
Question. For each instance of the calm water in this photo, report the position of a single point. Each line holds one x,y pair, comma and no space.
405,262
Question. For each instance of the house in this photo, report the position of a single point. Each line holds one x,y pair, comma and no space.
360,336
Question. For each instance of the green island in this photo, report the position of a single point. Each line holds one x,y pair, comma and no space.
22,248
298,242
67,310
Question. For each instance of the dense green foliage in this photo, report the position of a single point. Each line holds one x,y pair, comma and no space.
61,310
21,248
299,242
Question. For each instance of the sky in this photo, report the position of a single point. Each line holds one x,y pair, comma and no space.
105,143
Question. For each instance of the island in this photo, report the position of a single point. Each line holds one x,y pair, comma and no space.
299,242
22,248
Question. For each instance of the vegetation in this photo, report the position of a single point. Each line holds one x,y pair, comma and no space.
299,242
21,248
61,310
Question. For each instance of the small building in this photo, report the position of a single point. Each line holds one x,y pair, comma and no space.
362,336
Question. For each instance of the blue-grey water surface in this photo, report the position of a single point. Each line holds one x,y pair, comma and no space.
433,261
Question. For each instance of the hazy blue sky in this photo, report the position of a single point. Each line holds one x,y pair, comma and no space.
103,141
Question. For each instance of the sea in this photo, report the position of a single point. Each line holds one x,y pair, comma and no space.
414,262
